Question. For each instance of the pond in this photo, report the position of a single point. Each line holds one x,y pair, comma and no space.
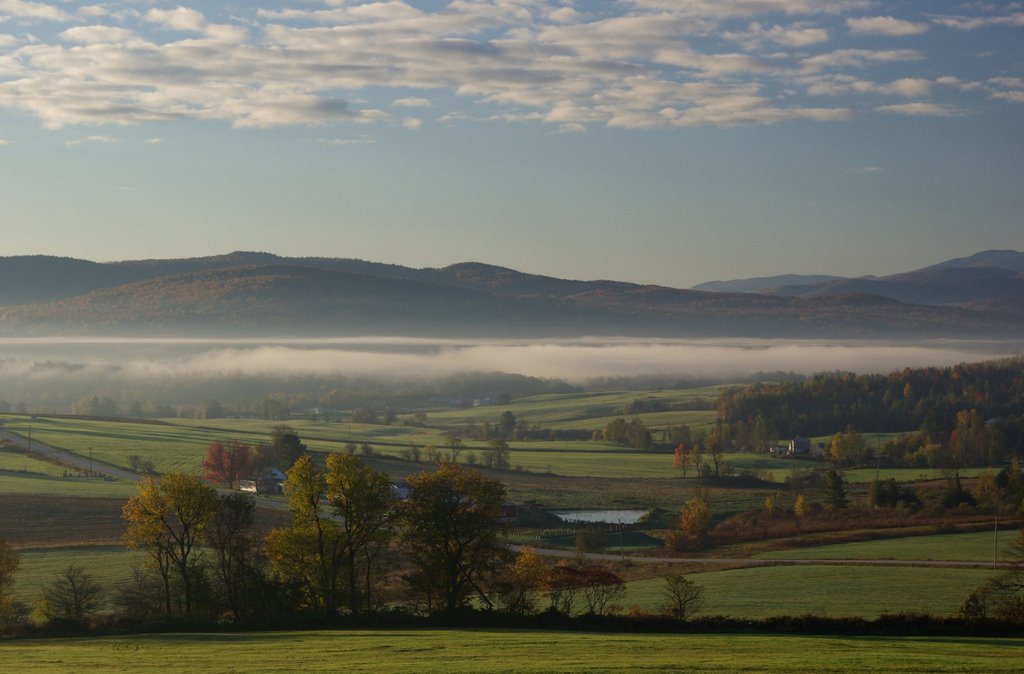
631,516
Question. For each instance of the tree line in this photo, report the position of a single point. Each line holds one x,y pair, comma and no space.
352,547
971,410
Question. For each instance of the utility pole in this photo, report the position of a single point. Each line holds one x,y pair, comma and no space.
995,544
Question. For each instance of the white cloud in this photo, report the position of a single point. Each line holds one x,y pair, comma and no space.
362,140
103,140
859,58
4,141
885,25
97,34
797,35
411,103
412,123
923,110
1007,89
179,18
22,9
975,22
632,64
153,141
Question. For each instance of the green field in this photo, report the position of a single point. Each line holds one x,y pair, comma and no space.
109,565
860,591
22,474
180,444
588,411
756,592
978,546
506,651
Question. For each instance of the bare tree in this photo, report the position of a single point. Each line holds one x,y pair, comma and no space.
683,597
74,595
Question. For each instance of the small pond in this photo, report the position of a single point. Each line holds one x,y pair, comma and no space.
631,516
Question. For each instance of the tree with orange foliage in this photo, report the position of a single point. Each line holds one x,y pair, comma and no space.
227,463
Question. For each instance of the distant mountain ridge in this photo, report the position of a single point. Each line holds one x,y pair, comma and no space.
262,293
992,279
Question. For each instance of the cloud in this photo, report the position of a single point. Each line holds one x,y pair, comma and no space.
629,64
103,140
923,110
841,85
412,123
797,35
362,140
975,22
411,103
858,58
97,34
179,18
885,25
153,141
861,170
1007,88
4,141
23,9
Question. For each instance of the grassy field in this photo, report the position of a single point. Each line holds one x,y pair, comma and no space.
860,591
23,475
109,565
507,651
977,546
588,411
180,444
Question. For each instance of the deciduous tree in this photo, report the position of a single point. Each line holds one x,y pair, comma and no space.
73,595
310,551
451,532
9,609
227,462
683,597
362,499
168,520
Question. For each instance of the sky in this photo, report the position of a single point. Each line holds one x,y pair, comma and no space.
654,141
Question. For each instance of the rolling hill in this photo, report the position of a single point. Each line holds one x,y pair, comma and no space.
246,293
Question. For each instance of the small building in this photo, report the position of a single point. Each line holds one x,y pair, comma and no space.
799,446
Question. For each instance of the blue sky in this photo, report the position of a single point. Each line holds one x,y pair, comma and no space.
660,141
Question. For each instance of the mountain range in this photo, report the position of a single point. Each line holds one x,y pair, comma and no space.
254,293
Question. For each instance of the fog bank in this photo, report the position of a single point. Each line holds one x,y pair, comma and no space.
574,360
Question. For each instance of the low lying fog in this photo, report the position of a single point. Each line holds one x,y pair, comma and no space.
574,360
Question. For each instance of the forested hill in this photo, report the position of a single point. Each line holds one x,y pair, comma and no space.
925,399
260,293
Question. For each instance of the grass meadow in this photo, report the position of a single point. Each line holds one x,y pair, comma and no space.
109,565
979,546
507,651
838,591
180,444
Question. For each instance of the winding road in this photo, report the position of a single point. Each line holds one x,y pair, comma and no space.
67,458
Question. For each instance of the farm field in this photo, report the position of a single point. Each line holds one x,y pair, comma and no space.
839,591
507,651
751,593
976,547
109,565
180,444
24,475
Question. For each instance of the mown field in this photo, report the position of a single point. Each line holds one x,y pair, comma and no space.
840,591
507,651
180,444
754,592
979,546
